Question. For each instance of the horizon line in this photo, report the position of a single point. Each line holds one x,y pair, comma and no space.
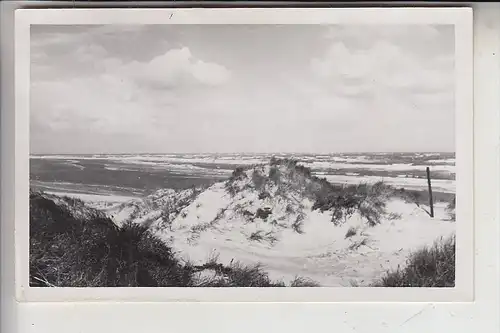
255,153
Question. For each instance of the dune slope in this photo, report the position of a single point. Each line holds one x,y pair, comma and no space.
293,223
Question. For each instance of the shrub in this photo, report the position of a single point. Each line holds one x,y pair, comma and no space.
289,209
93,252
232,188
351,232
353,283
428,267
368,200
274,174
303,282
232,183
75,202
343,201
413,197
238,174
167,215
248,215
67,251
261,236
240,275
394,216
220,214
248,276
356,245
282,161
274,161
258,180
305,171
237,275
372,211
263,213
256,236
264,195
298,224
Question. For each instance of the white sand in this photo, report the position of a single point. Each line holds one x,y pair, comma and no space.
110,204
321,252
94,197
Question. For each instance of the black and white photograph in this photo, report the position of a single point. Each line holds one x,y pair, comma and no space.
243,155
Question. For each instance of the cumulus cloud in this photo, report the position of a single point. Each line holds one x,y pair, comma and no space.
346,88
178,67
401,79
384,65
113,96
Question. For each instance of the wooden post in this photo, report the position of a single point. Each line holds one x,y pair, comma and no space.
431,202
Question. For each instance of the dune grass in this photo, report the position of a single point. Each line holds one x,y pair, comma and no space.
432,266
75,247
369,200
235,274
70,250
288,176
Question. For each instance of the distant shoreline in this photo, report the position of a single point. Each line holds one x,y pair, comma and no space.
246,153
134,175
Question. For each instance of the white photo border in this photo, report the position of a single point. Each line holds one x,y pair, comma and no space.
461,18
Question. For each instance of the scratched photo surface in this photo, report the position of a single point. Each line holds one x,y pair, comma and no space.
242,156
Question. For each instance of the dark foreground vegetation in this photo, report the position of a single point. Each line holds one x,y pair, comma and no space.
74,246
428,267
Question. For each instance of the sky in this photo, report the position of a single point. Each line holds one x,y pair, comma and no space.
242,88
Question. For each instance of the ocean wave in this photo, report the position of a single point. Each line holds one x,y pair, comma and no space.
380,167
449,161
440,185
211,164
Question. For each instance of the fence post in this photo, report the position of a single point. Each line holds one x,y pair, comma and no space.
431,202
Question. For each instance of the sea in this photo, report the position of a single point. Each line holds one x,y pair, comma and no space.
137,175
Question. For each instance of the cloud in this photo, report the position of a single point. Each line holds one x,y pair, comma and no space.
401,90
82,51
352,88
384,65
88,90
99,104
417,39
178,67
